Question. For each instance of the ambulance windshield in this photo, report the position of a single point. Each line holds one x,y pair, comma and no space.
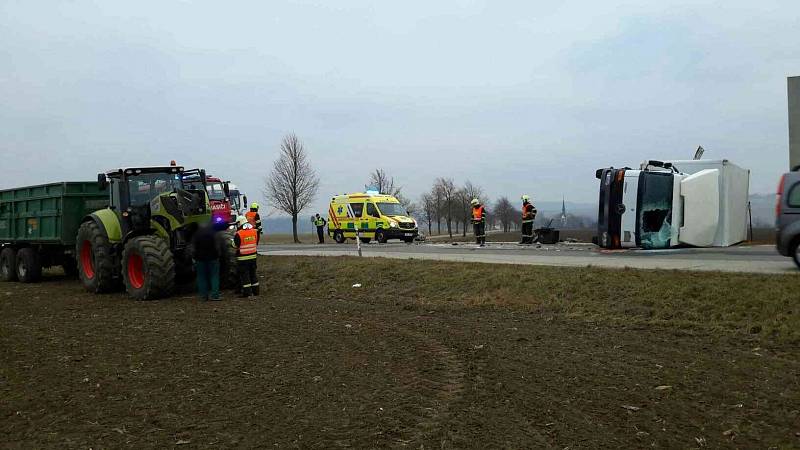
392,209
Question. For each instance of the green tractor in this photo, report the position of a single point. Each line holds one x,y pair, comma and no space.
142,240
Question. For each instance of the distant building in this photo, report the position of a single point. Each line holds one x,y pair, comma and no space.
563,213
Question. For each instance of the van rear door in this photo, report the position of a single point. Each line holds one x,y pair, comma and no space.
700,198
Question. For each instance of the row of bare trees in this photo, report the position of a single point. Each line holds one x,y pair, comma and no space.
292,185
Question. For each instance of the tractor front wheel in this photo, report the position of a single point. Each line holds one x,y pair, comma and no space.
148,268
95,263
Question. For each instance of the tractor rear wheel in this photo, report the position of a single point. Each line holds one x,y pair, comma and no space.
8,264
95,263
228,269
29,266
148,268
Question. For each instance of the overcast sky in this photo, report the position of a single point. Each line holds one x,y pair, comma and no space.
516,96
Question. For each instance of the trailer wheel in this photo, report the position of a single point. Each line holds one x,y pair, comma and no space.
338,236
228,269
148,268
94,261
29,266
8,264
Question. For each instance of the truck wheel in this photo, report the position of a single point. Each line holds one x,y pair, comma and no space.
148,268
796,253
338,236
95,263
380,236
29,267
8,264
228,270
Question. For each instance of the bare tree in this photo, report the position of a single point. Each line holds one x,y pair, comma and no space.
504,212
292,184
428,203
436,196
384,183
447,190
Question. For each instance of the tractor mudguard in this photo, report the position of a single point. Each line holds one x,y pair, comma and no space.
108,221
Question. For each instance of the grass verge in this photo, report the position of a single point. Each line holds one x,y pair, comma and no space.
763,305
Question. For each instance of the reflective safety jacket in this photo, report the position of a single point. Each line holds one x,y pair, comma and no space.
246,243
528,213
319,221
254,219
478,214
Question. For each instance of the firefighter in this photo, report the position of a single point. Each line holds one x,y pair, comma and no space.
528,216
319,222
479,222
253,217
246,243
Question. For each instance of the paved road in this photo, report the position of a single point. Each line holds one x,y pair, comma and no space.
756,259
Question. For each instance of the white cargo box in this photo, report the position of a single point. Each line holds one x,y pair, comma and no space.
734,197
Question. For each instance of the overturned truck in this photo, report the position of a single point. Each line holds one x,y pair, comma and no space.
665,204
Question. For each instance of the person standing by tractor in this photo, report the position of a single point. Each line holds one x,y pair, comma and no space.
253,217
479,222
319,222
246,243
206,259
528,216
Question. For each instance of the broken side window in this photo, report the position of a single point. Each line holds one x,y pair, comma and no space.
655,209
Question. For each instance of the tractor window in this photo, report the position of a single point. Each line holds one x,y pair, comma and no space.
357,208
392,209
372,210
216,191
234,199
147,186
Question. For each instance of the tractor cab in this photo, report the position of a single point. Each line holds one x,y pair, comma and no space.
164,200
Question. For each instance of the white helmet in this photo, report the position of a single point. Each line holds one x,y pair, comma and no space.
475,202
241,221
525,198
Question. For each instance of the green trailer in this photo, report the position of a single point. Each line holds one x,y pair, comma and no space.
39,225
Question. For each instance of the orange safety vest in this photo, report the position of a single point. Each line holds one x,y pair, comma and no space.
477,214
248,243
251,217
527,212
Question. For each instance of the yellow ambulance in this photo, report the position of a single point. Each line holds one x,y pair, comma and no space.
373,215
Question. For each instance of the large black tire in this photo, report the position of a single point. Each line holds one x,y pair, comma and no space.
29,265
148,268
228,270
8,264
795,249
96,266
338,236
380,236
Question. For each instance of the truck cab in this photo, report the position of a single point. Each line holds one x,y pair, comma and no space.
656,207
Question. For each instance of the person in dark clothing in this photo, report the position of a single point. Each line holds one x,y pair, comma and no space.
206,261
319,222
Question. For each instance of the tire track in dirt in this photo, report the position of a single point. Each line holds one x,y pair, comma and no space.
428,379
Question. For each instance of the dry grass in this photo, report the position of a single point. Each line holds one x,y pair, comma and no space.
764,305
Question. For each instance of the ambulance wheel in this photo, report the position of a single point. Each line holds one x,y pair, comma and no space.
338,236
380,236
